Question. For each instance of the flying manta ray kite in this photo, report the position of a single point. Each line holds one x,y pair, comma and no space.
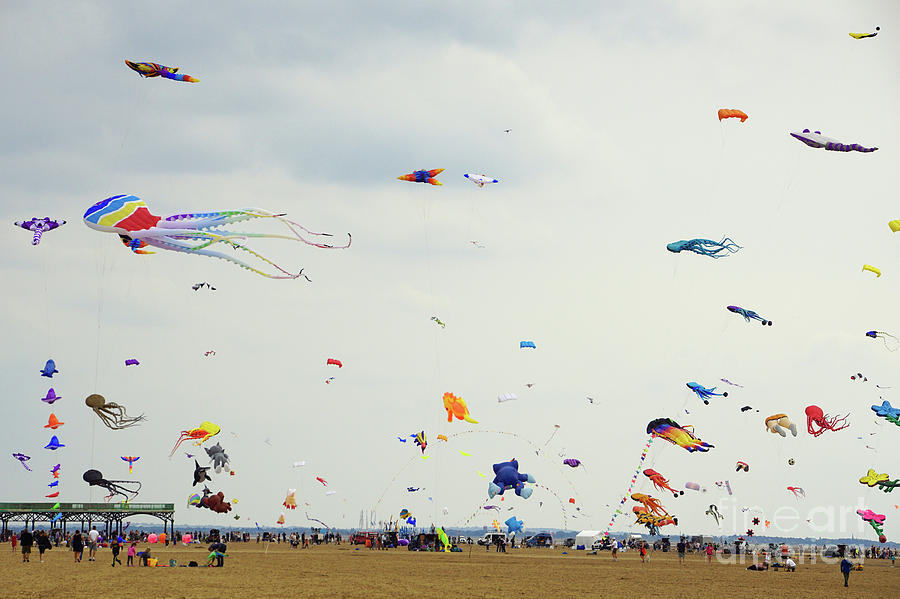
151,69
193,232
39,226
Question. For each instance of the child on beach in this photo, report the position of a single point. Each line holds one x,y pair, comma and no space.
643,552
114,545
14,540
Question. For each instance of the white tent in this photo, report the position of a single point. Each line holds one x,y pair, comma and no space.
586,538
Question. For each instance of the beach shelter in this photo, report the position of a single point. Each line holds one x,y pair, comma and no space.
586,538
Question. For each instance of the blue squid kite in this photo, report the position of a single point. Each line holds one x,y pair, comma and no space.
748,314
705,247
703,393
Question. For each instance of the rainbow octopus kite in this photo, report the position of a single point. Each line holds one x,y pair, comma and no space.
748,314
151,69
815,139
205,431
705,247
39,226
872,479
669,430
703,393
193,232
876,520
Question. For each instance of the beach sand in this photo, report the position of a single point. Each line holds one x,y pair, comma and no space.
341,571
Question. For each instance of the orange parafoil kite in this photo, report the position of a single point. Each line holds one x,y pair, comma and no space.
732,113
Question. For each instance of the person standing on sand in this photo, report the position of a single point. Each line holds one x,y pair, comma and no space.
43,544
132,551
615,550
13,540
77,546
114,545
27,541
709,553
643,552
846,566
93,537
681,550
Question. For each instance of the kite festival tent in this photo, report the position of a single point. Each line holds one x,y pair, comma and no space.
586,538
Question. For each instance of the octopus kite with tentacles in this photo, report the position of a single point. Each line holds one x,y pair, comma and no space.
651,503
194,232
660,482
205,431
112,414
115,487
817,421
705,247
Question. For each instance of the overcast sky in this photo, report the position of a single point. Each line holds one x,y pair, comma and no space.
614,151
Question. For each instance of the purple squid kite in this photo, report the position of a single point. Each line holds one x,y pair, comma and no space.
39,226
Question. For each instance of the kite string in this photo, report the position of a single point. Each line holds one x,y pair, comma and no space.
618,509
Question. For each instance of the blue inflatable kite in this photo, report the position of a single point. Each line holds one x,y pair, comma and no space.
506,477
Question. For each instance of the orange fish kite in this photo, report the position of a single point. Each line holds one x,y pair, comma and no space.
456,406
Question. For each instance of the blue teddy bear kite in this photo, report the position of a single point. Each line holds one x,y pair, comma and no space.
507,476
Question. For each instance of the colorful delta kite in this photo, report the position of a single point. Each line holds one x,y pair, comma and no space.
703,393
111,414
49,369
205,431
815,139
22,459
194,232
524,344
862,36
884,339
872,269
333,362
872,479
54,444
876,521
132,362
705,247
669,430
423,176
131,460
779,424
480,180
817,421
151,69
748,314
660,483
51,397
886,411
290,502
456,406
39,226
507,477
421,440
732,113
115,487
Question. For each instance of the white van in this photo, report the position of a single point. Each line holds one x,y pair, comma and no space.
491,538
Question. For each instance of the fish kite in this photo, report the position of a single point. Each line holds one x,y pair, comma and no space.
49,369
732,113
862,36
438,322
195,232
151,69
748,314
669,430
39,226
131,460
456,406
423,176
815,139
480,180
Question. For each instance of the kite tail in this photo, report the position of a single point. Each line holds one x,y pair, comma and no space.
185,435
37,236
291,225
177,77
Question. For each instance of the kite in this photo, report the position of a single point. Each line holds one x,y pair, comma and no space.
715,513
151,69
872,269
205,431
506,397
414,489
651,521
492,507
200,473
815,139
197,286
513,525
215,503
872,479
53,495
111,414
51,397
887,412
858,377
894,225
797,491
209,353
742,466
862,36
322,480
748,314
572,462
54,444
732,113
877,522
669,430
329,380
442,438
423,176
705,247
817,422
480,180
884,337
49,369
439,322
299,464
333,362
131,460
39,226
726,484
468,455
506,477
777,423
115,487
421,440
193,232
692,486
659,482
747,409
401,439
730,383
55,471
478,245
651,504
524,344
703,393
290,502
53,422
22,459
280,519
456,406
131,362
218,457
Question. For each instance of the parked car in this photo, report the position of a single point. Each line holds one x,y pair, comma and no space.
542,539
491,538
359,537
602,544
570,542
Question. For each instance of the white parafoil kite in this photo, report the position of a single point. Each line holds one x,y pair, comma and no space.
506,397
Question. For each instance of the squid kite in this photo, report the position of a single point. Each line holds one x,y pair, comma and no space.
456,406
872,269
22,459
39,226
862,36
732,113
423,176
111,414
705,247
703,393
884,337
817,421
151,69
748,314
54,444
115,487
660,483
205,431
815,139
194,232
669,430
480,180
